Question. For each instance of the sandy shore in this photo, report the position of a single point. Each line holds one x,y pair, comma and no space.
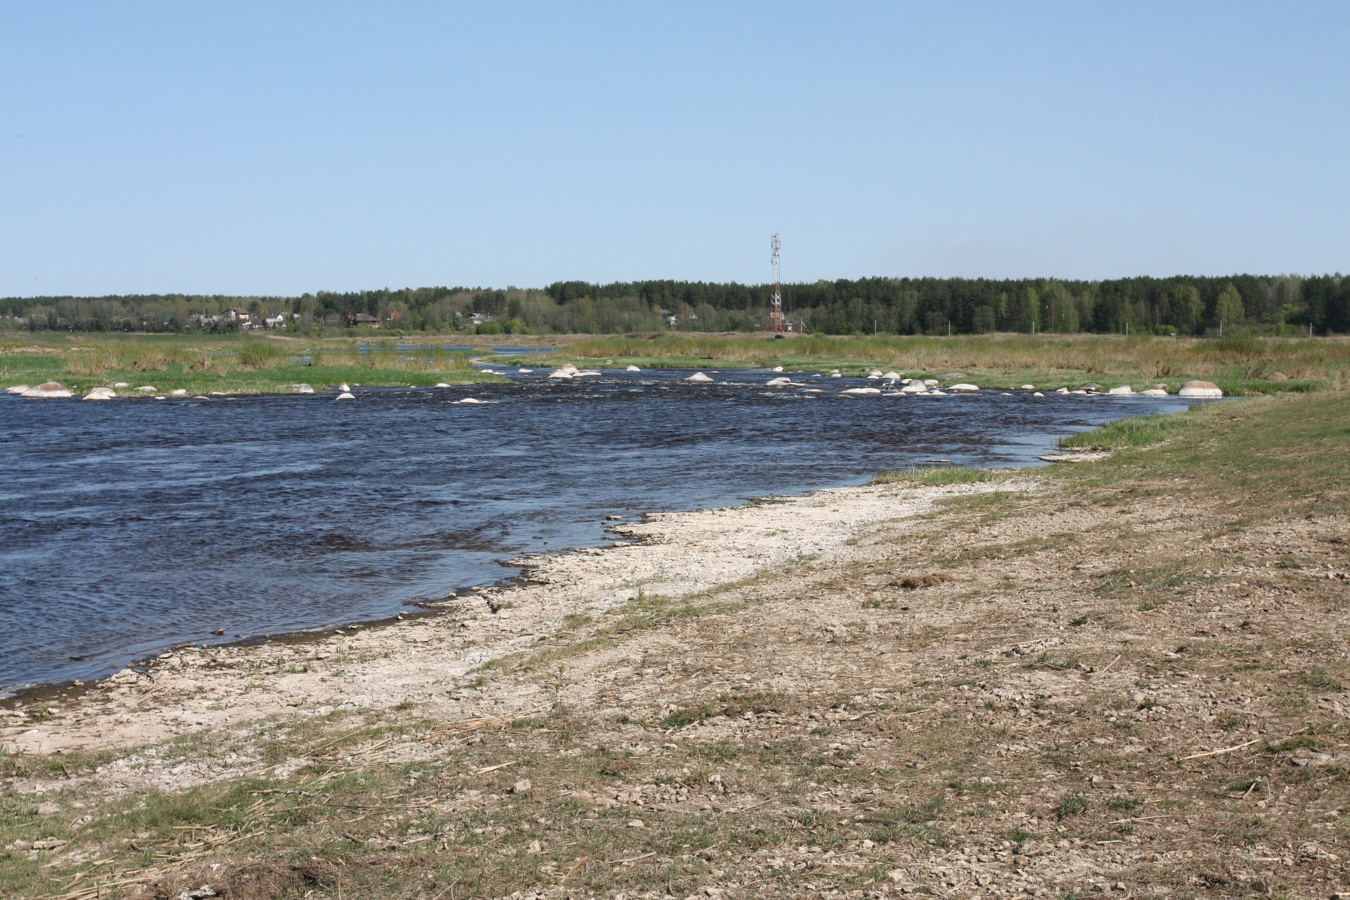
428,660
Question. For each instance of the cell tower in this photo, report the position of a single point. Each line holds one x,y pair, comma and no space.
776,301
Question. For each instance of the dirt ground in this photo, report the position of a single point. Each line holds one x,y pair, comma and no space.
1005,689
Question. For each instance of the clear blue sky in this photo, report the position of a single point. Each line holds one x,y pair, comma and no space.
282,147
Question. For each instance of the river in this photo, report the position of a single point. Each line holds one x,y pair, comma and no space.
133,525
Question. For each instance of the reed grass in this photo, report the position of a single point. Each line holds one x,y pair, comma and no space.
260,354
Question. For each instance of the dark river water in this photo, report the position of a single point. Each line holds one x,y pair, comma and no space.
132,525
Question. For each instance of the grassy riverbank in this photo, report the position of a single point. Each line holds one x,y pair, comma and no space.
234,364
1130,678
1240,364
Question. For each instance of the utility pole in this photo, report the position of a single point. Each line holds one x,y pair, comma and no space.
776,301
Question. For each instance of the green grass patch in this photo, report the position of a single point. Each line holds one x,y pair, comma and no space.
933,476
1138,431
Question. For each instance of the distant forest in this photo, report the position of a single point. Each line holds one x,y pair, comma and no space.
1283,304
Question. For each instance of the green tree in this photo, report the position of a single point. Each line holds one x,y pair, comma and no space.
1228,309
1186,307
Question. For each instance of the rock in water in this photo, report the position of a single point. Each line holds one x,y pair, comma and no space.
1121,391
699,378
346,395
963,388
47,390
1200,390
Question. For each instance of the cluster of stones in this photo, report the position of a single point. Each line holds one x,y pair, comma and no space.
569,372
929,387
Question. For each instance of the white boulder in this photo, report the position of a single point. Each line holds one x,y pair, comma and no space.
302,388
632,369
964,388
1123,391
48,390
1201,390
1027,387
147,389
100,393
699,378
859,392
1154,392
346,395
179,392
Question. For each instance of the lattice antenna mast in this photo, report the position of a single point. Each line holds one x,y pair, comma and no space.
776,301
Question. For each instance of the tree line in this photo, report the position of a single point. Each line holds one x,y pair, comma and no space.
1178,305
